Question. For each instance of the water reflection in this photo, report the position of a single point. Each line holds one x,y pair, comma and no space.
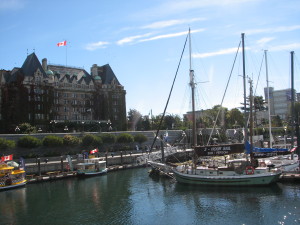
132,197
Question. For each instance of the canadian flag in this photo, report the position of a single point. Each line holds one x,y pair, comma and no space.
7,157
94,151
63,43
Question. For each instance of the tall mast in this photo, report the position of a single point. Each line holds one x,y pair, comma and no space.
292,99
192,84
244,79
268,96
251,120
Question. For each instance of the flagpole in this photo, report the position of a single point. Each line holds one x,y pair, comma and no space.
66,53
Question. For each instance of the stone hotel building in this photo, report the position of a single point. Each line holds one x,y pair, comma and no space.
61,98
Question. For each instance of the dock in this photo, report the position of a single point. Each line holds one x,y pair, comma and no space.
290,177
57,175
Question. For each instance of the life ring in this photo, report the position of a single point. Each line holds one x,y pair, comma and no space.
249,170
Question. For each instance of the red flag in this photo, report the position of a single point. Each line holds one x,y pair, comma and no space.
7,157
293,149
94,151
63,43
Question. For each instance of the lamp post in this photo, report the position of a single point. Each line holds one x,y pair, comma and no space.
109,125
53,122
66,129
99,126
82,126
17,130
40,130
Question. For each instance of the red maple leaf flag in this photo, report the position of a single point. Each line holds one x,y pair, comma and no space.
7,157
63,43
94,151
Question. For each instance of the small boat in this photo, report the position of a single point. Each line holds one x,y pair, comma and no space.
286,163
10,177
91,167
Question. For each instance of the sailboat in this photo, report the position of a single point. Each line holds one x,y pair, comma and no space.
236,172
281,158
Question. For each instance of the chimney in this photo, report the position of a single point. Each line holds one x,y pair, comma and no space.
94,70
44,64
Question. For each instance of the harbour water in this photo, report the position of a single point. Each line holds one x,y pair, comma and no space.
132,197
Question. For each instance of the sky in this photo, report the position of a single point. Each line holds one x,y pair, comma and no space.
143,40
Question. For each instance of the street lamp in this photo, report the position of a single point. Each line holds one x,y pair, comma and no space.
99,126
17,130
109,125
53,122
66,129
82,126
40,130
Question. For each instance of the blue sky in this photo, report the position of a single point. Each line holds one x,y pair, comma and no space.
142,41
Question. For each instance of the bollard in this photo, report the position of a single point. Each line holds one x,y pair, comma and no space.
106,158
39,166
121,158
61,163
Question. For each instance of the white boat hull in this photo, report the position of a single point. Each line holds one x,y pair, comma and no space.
242,180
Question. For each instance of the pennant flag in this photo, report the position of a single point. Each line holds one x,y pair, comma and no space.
7,157
94,151
63,43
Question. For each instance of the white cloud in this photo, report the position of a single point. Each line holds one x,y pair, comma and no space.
170,35
96,45
220,52
168,23
287,47
11,4
273,30
127,40
179,6
265,40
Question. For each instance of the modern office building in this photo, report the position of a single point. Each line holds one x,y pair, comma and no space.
48,95
280,101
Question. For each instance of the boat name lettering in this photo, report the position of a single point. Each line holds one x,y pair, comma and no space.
220,148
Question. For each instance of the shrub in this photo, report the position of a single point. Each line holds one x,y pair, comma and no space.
70,140
52,141
140,138
125,138
6,144
90,140
29,142
108,138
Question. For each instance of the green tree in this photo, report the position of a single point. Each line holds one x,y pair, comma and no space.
134,119
26,128
234,118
